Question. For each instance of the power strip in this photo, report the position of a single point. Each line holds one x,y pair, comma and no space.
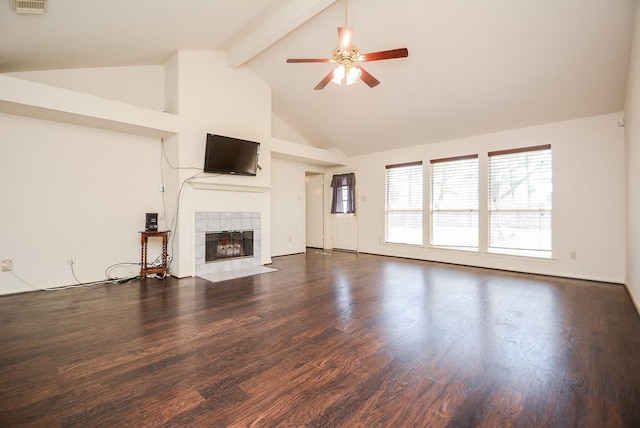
158,261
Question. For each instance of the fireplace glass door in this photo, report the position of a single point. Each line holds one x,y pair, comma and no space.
228,245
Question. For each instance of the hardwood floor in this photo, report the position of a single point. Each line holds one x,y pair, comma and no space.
341,339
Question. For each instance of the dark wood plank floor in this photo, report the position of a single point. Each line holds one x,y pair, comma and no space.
328,340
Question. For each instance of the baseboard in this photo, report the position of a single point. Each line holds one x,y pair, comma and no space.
633,298
526,271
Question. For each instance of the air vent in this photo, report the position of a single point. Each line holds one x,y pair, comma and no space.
31,6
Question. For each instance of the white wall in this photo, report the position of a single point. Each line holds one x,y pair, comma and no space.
141,86
214,98
589,197
632,119
83,191
315,217
288,208
281,130
72,190
288,204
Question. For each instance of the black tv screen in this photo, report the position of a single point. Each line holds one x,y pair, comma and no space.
228,155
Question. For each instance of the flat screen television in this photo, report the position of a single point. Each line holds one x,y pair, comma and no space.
228,155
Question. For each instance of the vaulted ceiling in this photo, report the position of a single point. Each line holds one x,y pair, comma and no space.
474,67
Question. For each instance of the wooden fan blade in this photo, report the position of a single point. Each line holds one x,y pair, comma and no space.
367,78
324,81
391,54
344,36
290,60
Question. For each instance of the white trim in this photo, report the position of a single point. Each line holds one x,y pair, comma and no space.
202,185
633,297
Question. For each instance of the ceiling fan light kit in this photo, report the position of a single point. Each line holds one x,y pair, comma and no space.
346,74
346,55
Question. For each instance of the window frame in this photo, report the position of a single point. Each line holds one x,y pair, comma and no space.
473,207
415,207
494,213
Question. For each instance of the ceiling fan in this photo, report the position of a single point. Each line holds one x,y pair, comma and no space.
346,55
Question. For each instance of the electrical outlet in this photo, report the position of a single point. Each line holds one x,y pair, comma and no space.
71,260
7,265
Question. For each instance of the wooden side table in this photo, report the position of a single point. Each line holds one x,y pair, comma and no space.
146,269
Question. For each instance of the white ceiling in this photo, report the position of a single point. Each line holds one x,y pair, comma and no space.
474,66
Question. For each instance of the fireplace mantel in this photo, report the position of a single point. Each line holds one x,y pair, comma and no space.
208,185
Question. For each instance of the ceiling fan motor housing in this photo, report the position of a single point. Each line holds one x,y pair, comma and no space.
346,57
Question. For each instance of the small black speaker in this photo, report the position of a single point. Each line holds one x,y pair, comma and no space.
151,224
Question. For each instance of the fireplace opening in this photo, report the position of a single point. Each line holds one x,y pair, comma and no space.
228,245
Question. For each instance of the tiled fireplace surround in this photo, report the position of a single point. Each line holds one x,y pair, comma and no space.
221,222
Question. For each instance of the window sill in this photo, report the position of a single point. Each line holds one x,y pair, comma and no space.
468,250
398,244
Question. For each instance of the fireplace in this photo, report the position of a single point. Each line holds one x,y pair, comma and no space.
228,245
239,248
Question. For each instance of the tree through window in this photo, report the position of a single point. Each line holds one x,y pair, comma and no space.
403,207
520,201
454,202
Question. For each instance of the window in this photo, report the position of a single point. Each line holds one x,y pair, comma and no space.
454,202
344,194
404,206
520,197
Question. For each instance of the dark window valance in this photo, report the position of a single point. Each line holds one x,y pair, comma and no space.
343,180
344,194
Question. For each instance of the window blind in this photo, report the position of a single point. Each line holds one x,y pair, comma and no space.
404,203
454,202
520,201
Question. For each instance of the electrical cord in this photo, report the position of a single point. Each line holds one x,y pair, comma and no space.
107,272
109,280
20,278
73,272
164,155
118,280
63,287
162,181
174,222
164,160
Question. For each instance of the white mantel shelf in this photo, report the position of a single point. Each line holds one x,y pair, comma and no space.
207,185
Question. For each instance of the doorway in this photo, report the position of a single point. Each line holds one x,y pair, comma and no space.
314,209
344,223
